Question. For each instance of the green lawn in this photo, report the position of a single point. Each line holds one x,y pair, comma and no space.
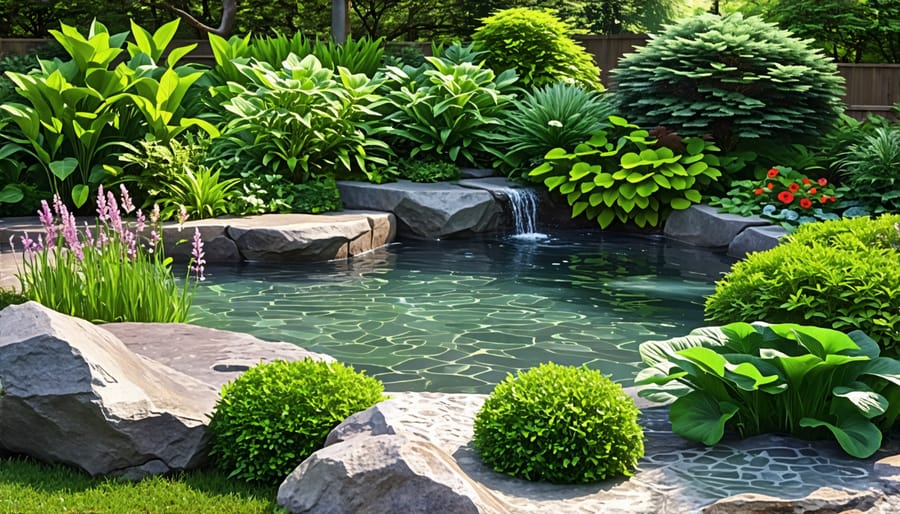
27,486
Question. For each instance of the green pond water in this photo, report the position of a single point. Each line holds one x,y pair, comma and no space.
458,315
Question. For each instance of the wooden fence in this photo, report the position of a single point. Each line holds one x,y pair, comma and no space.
871,88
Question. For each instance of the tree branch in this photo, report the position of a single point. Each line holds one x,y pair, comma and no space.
226,25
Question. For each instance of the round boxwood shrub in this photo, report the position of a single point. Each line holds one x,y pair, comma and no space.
537,45
276,414
560,424
842,274
734,77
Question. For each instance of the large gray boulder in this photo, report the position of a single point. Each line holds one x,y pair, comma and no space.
383,474
73,393
756,239
702,225
427,211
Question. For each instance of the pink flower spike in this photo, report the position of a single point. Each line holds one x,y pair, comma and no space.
198,261
126,199
47,221
141,221
154,214
182,216
88,235
101,205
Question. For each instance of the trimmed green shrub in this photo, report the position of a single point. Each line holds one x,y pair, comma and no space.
553,116
811,382
560,424
841,274
276,414
428,171
734,77
629,174
537,45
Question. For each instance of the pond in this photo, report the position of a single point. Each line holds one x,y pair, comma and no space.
458,315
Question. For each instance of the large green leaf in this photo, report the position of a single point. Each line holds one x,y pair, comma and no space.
11,193
63,168
858,436
700,417
869,403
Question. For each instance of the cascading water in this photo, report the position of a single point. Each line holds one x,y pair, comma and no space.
523,203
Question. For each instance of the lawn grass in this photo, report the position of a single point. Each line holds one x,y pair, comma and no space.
27,486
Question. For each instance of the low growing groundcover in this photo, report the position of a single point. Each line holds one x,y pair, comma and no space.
27,486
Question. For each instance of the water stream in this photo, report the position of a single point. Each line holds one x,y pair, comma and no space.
523,203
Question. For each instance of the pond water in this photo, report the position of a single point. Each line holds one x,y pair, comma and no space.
458,315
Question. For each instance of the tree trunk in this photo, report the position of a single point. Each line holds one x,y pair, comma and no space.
226,25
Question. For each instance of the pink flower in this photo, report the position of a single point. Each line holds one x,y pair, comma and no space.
126,199
198,261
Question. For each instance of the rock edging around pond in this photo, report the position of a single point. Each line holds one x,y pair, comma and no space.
133,400
702,225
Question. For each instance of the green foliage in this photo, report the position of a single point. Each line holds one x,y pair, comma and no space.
444,110
871,168
302,122
786,378
9,297
173,175
537,45
276,414
31,487
15,64
553,116
428,171
835,274
784,195
317,196
560,424
624,173
105,274
735,77
78,113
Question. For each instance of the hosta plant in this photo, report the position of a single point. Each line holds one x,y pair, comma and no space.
538,46
839,274
276,414
560,424
738,78
624,173
553,116
445,111
756,378
300,122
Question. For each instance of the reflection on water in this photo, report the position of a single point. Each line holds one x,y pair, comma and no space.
457,316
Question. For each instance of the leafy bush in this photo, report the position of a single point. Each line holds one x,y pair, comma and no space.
624,173
80,112
173,175
553,116
537,45
299,123
9,297
316,196
15,64
835,274
276,414
428,171
106,275
785,196
560,424
871,168
738,78
445,111
760,378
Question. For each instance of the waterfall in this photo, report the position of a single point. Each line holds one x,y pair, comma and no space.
523,203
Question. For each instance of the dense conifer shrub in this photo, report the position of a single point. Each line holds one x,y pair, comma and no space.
537,45
276,414
735,77
560,424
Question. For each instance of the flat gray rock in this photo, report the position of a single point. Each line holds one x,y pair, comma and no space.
756,239
211,356
427,211
73,393
702,225
477,172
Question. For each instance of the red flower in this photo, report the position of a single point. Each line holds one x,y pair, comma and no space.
832,198
773,173
786,197
822,181
770,185
794,187
805,181
823,199
812,190
805,203
758,191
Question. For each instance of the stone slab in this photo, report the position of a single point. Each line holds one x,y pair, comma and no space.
497,186
756,239
476,172
702,225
